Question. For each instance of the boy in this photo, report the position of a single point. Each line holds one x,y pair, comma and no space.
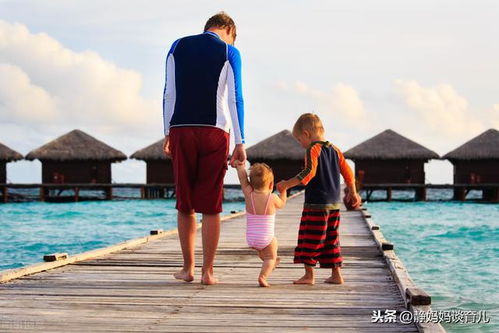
318,237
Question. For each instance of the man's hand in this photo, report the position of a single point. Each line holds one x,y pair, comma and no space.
239,154
166,146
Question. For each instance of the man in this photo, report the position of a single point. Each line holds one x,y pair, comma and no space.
202,92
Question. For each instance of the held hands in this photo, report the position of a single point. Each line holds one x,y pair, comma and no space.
238,155
239,165
282,186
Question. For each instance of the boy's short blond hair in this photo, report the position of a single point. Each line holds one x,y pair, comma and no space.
260,175
308,122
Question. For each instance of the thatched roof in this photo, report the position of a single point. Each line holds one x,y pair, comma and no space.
76,145
481,147
152,152
8,155
279,146
389,145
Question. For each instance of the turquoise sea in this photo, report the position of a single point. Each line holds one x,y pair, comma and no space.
450,248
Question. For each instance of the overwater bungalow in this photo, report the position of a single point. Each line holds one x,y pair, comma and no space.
7,155
390,158
76,157
477,162
281,152
159,169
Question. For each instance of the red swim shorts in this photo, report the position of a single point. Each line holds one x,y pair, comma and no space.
199,156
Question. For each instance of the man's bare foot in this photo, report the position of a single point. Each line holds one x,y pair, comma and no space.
277,262
187,276
208,279
305,280
263,282
334,279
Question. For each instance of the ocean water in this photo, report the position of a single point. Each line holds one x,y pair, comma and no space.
31,229
451,250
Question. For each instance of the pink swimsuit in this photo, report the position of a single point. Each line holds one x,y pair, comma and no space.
259,228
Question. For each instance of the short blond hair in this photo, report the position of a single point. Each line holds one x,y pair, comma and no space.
260,176
308,122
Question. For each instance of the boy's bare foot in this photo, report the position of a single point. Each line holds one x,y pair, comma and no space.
305,280
187,276
263,282
334,279
208,279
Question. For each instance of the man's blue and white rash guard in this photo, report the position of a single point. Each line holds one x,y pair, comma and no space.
203,85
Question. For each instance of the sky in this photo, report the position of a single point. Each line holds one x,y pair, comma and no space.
426,69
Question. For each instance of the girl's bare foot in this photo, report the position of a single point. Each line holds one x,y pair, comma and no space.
263,282
305,279
187,276
208,279
334,279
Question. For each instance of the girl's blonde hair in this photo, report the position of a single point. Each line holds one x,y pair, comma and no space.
260,175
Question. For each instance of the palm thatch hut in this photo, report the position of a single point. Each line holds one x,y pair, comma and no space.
477,162
159,169
76,157
281,152
390,158
7,155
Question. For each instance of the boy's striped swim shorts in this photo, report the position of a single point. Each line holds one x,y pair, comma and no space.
319,239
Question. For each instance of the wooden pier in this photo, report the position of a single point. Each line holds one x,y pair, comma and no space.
490,192
74,192
77,192
132,290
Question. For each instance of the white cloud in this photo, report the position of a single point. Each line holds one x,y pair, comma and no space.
341,101
45,83
346,100
441,108
19,97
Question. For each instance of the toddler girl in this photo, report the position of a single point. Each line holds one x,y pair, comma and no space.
261,206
